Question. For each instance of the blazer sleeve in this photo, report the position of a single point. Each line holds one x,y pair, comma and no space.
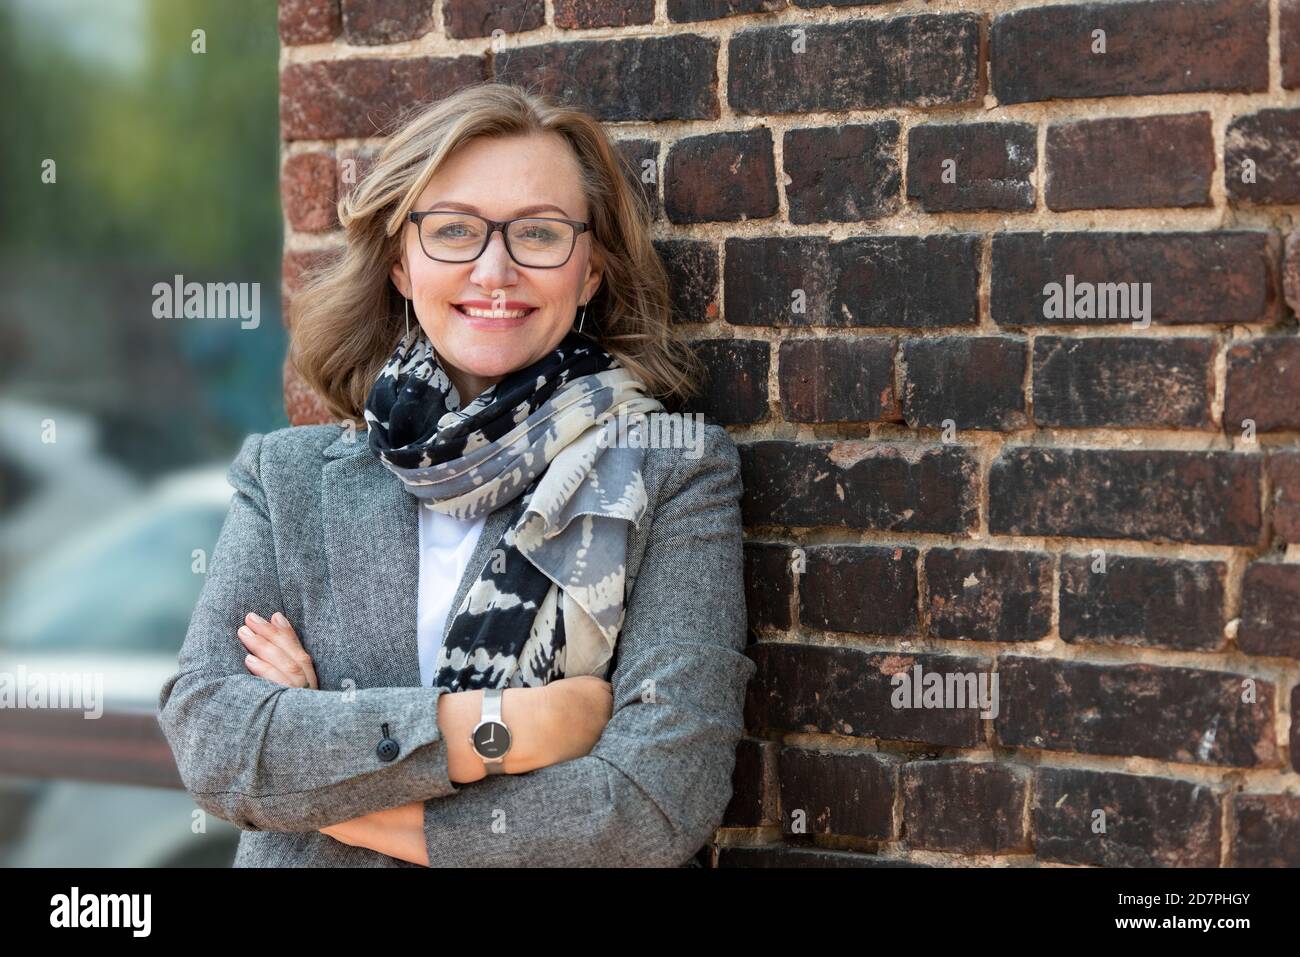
267,757
656,785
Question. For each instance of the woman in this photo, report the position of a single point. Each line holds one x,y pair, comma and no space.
399,654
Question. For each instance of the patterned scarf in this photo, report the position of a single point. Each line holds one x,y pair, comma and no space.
549,603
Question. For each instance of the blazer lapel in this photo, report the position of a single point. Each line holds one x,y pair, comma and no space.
372,540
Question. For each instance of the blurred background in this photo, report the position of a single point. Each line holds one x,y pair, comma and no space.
134,151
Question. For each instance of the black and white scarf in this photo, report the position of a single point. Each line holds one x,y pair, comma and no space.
549,603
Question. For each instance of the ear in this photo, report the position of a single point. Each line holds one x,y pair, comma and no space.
400,277
595,272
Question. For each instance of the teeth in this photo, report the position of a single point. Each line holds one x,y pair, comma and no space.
494,313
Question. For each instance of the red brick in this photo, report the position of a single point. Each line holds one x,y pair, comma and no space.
1155,495
922,60
308,190
1188,715
480,18
1149,822
837,379
721,177
1152,46
335,99
842,174
1270,140
309,21
1127,162
1263,384
1270,610
993,164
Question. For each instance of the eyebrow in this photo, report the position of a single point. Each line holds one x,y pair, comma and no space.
522,211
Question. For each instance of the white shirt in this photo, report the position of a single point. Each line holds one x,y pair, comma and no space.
446,544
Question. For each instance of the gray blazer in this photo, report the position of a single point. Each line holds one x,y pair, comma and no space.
319,530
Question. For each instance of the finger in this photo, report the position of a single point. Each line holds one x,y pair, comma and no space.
271,653
263,670
280,633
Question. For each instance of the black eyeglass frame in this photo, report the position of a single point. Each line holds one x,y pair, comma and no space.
493,225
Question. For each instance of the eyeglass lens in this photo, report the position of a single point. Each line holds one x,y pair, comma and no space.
457,237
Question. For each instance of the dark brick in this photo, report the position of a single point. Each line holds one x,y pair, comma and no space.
1188,715
691,11
1291,271
867,589
1270,139
308,191
1143,602
778,281
1152,46
652,78
1127,162
335,99
1294,744
1206,277
842,174
692,267
837,792
642,158
354,162
1101,381
837,379
588,14
1284,477
1289,41
1157,495
784,855
847,691
769,584
984,594
993,163
375,22
736,389
963,807
721,177
1270,610
1149,822
1265,830
481,18
908,282
976,381
308,21
922,60
1263,384
859,484
753,796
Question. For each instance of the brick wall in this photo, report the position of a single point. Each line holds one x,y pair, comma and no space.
948,463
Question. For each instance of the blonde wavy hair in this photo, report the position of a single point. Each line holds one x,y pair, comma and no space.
346,319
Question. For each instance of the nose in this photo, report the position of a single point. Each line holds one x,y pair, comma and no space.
495,267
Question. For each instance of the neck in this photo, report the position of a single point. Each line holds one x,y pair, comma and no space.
469,387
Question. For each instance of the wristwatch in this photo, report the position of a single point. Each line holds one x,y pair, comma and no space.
490,737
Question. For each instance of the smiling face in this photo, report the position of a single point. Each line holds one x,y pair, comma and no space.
499,178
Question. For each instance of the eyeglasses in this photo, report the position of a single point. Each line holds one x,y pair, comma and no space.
456,237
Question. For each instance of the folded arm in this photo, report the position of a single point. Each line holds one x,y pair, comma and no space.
655,786
266,757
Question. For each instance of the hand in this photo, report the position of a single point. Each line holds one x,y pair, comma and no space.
576,711
276,654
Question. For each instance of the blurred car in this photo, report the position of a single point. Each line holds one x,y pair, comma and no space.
114,599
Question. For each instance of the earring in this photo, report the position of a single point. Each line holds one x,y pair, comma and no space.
583,319
407,304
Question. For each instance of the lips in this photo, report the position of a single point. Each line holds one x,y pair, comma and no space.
502,319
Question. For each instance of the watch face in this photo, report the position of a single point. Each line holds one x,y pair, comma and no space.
491,739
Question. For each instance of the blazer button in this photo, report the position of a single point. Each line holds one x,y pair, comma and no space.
388,748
